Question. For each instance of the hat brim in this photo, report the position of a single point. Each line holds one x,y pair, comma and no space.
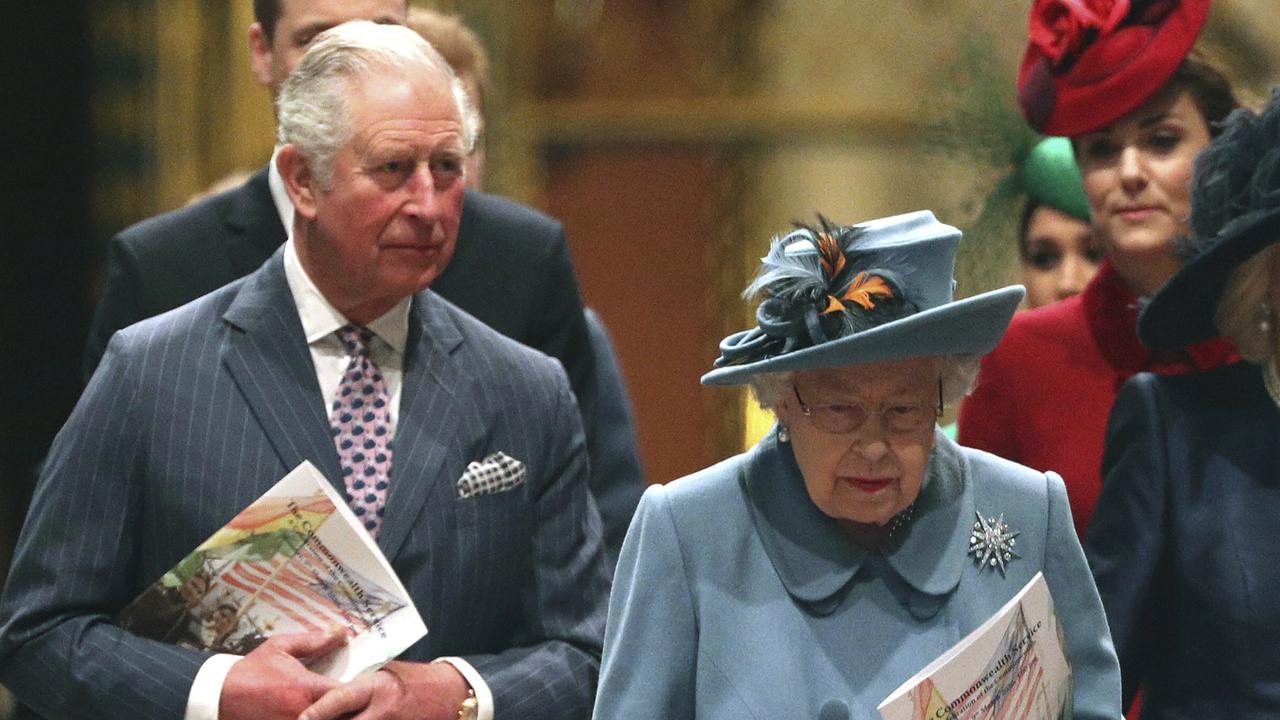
1182,311
971,326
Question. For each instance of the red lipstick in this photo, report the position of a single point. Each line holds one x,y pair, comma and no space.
869,485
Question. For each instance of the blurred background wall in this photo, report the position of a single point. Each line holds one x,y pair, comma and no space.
671,137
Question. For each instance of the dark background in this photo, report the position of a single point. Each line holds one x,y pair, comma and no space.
45,236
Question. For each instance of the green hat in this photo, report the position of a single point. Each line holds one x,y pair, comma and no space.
1051,177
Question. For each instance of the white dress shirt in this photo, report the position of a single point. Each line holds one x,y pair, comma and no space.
320,321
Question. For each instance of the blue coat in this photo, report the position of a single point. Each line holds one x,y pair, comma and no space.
1184,543
736,597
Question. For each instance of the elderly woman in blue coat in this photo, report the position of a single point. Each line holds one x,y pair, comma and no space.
814,574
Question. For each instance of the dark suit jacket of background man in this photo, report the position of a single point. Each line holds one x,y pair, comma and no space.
197,412
511,270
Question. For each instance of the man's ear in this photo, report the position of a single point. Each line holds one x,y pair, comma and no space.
260,54
299,181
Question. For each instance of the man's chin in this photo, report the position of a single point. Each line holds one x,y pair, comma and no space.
419,258
411,283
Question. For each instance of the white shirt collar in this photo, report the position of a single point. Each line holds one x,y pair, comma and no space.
280,196
320,319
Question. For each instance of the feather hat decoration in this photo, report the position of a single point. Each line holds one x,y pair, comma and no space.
816,278
1235,214
844,295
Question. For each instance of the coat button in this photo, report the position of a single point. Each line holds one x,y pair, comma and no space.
834,710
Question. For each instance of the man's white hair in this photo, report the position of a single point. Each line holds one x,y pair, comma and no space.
312,105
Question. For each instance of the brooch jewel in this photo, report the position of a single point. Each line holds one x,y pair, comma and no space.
901,520
991,543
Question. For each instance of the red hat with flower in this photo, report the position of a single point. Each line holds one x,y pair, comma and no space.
1089,62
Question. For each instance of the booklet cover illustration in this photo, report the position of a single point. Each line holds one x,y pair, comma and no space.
296,560
1012,667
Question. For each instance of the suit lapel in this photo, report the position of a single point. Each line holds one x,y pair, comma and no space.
435,426
253,224
267,356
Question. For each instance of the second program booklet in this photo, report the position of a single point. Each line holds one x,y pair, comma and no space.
295,560
1013,667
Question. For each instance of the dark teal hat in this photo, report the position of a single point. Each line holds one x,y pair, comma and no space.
873,292
1051,177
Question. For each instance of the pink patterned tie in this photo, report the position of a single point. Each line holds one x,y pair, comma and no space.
361,430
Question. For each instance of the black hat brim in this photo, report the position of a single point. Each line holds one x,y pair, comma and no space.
1182,312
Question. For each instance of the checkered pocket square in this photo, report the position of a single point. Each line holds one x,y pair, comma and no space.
497,473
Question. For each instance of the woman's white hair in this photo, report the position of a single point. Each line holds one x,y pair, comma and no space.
1243,307
958,373
312,107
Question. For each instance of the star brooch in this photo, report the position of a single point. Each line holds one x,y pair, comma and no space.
991,543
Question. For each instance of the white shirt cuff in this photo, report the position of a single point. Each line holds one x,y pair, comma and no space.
206,691
484,697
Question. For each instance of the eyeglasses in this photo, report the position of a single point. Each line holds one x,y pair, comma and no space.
900,419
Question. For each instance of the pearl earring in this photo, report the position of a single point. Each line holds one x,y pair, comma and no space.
1264,317
784,435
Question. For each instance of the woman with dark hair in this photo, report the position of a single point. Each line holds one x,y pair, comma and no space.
1183,543
1059,250
1119,78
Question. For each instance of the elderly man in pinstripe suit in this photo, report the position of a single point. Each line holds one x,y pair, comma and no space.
334,341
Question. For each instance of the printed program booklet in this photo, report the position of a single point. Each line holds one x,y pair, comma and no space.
296,560
1013,667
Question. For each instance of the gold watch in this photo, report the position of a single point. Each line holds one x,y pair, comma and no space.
470,708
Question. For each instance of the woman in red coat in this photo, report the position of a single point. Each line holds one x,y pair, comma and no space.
1119,79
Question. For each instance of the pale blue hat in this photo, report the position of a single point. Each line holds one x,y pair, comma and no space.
854,294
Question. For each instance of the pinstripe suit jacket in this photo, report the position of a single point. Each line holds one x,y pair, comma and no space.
510,269
193,414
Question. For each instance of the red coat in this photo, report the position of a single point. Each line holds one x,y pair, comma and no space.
1045,392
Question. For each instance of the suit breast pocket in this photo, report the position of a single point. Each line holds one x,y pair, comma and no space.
494,536
506,509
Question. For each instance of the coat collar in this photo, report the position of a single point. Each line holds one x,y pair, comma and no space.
267,356
435,421
815,559
1111,311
